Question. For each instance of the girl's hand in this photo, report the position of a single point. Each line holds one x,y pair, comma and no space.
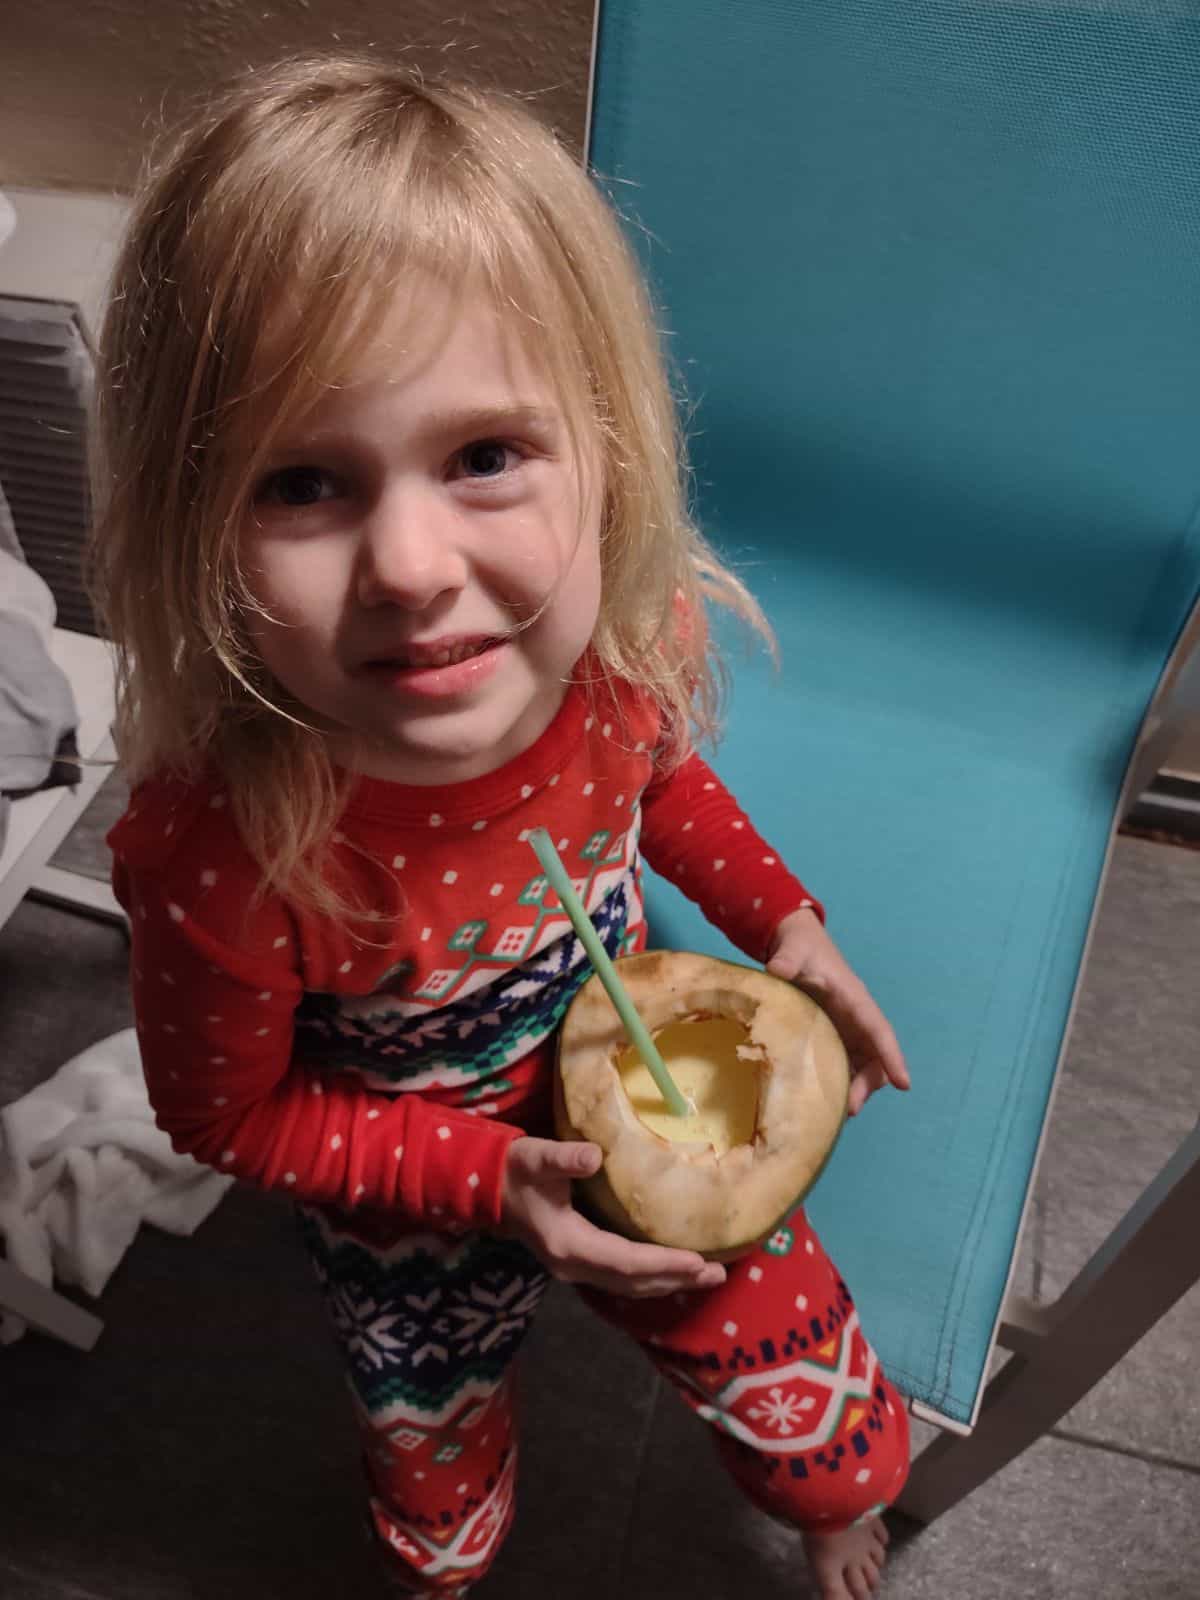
537,1210
804,953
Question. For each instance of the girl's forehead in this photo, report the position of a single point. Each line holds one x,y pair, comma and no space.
427,324
429,361
445,343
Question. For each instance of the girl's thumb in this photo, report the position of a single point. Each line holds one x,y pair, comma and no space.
580,1160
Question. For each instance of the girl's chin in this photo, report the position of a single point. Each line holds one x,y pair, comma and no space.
442,750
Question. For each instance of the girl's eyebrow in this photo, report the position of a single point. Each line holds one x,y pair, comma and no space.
489,419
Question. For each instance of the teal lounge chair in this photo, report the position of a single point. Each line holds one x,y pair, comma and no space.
932,276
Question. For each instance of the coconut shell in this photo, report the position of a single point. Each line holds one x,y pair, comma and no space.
685,1195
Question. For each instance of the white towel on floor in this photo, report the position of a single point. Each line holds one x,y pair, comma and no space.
82,1166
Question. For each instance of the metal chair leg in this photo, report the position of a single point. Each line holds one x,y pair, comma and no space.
1145,1265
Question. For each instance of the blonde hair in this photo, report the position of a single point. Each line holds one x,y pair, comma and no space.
261,248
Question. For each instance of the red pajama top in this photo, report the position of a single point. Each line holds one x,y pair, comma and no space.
374,1071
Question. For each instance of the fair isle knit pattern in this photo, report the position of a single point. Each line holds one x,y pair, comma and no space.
429,1325
469,1041
427,1322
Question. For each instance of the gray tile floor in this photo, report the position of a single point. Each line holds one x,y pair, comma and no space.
204,1448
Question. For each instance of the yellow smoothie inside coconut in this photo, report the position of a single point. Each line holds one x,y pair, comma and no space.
767,1076
719,1085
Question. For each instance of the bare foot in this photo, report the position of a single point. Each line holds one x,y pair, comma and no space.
847,1565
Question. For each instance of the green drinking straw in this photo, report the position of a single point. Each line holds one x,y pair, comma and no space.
543,848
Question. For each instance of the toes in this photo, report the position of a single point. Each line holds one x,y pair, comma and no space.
848,1567
836,1584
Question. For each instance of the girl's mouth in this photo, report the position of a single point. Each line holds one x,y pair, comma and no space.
420,657
437,671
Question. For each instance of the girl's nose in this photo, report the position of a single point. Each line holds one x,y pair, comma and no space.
409,550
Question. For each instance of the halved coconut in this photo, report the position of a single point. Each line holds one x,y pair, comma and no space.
759,1061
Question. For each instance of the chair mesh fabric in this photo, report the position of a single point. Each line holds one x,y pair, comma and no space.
929,278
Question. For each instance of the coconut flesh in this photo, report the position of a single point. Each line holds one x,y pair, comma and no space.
766,1078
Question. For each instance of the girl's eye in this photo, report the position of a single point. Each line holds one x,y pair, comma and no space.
486,458
298,486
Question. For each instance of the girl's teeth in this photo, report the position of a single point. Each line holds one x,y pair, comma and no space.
446,658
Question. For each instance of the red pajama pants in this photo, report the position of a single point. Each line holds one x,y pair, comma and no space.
430,1327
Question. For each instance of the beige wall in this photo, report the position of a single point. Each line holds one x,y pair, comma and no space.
81,81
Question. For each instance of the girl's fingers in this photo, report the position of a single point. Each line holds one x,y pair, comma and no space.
865,1031
642,1288
540,1159
624,1267
870,1039
577,1251
890,1054
862,1087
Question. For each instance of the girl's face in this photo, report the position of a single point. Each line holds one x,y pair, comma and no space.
423,509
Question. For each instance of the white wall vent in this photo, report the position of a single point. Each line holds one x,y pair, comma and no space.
46,377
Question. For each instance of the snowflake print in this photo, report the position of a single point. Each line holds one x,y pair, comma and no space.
367,1331
487,1317
406,1336
780,1243
489,1019
424,1029
782,1411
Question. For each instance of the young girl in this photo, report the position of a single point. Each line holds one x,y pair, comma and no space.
393,546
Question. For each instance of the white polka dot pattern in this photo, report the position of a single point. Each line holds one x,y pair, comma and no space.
448,915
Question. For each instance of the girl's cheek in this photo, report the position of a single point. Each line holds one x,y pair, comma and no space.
311,578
